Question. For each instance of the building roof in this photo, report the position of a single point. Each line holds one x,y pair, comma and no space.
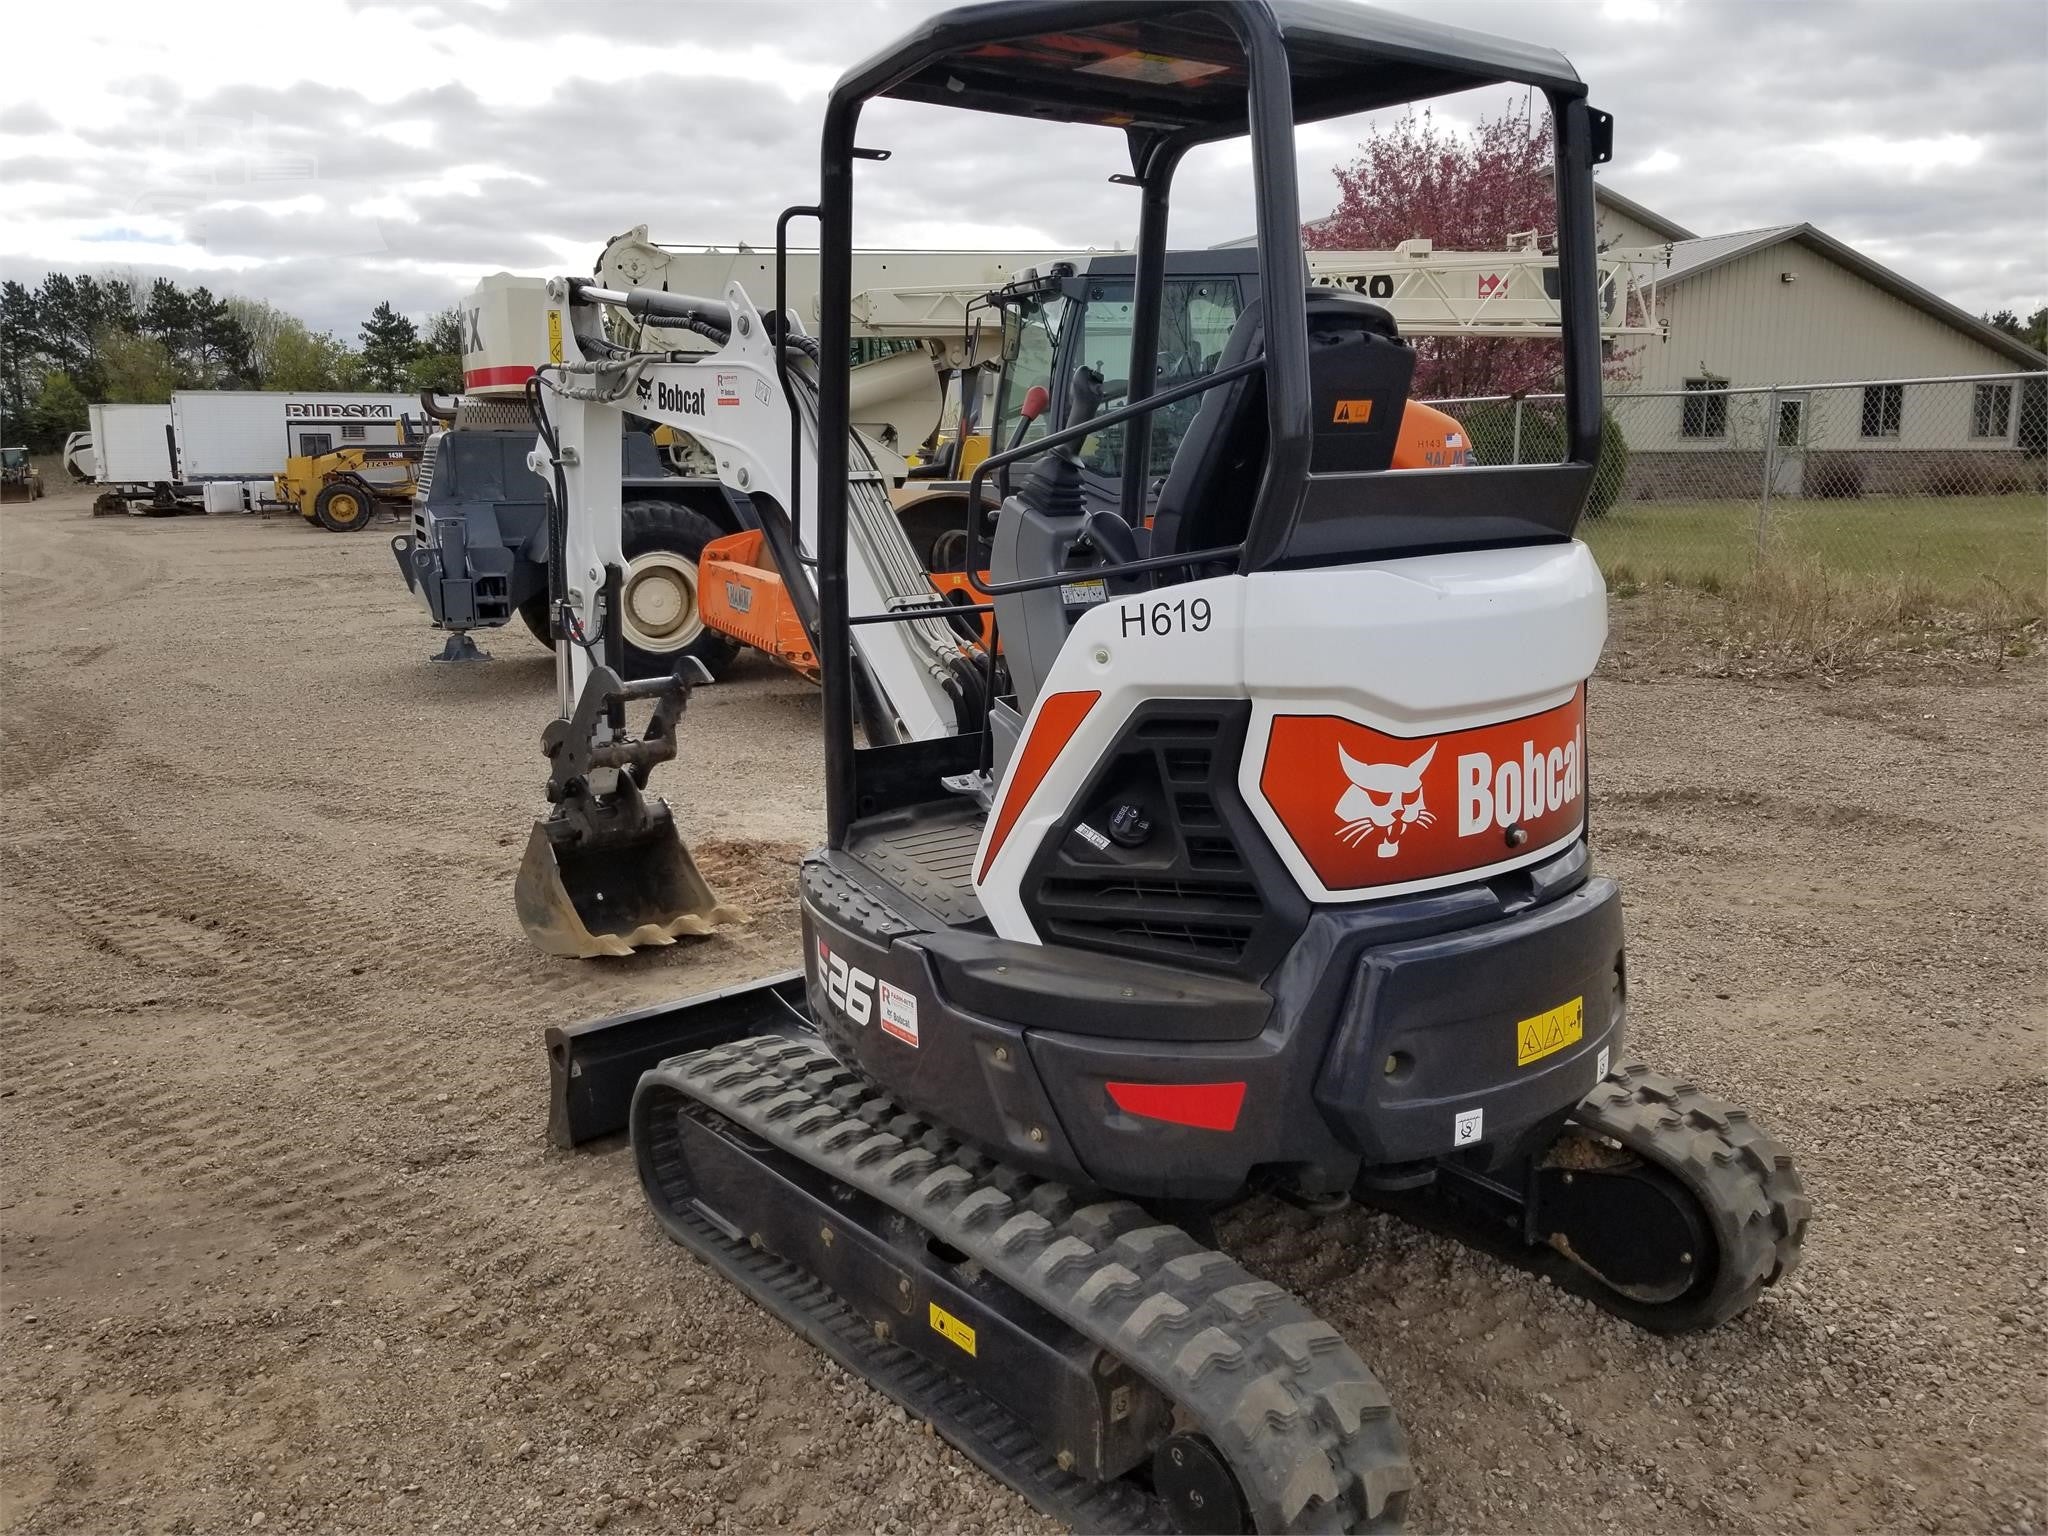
1690,258
1603,193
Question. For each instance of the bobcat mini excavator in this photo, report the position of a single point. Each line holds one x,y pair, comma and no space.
1266,872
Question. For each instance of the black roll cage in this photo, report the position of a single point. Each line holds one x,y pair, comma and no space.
1437,59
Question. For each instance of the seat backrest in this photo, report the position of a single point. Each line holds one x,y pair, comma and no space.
1359,373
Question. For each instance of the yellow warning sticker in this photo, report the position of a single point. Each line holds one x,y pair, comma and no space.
554,335
1352,412
950,1328
1549,1032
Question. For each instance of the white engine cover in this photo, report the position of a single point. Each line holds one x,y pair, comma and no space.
1382,694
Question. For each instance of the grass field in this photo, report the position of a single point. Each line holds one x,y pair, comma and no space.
1951,545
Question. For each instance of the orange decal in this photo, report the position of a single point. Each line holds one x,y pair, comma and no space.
1367,809
1353,412
1059,716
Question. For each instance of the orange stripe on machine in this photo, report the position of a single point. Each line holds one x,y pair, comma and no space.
1059,716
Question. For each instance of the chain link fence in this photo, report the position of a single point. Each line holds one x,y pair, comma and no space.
1941,483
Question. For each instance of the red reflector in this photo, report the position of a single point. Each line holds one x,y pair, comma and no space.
1205,1106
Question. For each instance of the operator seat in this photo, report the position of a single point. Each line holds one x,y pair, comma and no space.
1359,374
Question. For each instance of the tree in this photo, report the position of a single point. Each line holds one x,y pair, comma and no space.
300,358
19,346
138,369
439,365
390,343
218,350
60,409
167,317
1466,192
2034,332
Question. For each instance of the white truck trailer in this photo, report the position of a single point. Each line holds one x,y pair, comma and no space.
230,443
130,453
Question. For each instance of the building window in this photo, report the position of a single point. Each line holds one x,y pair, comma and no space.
1704,412
1991,411
1883,404
353,433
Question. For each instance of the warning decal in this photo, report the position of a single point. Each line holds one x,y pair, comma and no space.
1352,412
1550,1031
951,1329
1152,68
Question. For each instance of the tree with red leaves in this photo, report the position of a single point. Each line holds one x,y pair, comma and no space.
1466,192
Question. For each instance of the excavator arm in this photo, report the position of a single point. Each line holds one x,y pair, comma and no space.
605,870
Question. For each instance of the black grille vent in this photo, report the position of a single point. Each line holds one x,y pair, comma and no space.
1190,893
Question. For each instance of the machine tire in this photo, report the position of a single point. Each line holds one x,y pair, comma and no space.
533,613
665,539
344,507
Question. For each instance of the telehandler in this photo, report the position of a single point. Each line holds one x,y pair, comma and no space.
343,489
1258,862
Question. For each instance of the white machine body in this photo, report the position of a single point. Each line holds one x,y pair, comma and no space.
1392,679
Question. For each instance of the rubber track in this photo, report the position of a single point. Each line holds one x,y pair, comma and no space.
1750,1191
984,1430
1308,1430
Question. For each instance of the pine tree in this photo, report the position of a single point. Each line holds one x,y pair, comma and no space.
390,343
20,346
439,364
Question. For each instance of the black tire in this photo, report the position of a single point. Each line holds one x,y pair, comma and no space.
664,527
533,613
344,507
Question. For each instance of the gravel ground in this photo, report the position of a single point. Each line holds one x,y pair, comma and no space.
284,1246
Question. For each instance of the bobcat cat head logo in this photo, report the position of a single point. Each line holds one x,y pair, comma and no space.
1385,799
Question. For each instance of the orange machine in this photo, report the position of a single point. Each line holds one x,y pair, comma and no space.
743,594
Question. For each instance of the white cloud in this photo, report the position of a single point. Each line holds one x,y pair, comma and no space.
522,133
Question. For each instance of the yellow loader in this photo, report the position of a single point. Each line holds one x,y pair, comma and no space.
336,490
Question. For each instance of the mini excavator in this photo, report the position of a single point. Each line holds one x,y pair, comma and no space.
1254,861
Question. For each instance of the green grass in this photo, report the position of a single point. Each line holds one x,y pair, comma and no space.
1950,545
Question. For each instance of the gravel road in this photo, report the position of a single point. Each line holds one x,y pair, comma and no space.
284,1247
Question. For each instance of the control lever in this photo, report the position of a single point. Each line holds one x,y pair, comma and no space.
1109,536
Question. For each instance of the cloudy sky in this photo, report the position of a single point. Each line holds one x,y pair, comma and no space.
325,155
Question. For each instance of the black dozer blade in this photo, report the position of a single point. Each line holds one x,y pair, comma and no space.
605,871
594,1067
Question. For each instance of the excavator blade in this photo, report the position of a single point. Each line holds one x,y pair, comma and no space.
613,896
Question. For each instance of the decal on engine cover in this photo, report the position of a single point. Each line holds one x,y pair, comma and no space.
1369,809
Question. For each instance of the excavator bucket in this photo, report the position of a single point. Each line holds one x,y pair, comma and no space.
605,871
614,896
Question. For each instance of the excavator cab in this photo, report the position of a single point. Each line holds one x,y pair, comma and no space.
1262,866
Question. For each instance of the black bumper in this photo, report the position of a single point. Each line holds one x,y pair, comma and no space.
1292,1074
1432,1030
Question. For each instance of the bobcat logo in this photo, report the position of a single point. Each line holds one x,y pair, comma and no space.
1384,798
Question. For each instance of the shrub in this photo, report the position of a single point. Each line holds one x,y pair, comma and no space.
1946,477
1834,479
1492,430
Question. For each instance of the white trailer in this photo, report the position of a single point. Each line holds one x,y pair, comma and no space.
131,445
128,451
247,435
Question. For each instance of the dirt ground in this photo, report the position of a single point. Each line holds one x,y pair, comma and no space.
285,1248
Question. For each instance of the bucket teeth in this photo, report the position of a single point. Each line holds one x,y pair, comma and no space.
611,900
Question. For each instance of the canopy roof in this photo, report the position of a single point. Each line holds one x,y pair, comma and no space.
1180,69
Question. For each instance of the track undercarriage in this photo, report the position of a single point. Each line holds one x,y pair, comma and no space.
1108,1363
